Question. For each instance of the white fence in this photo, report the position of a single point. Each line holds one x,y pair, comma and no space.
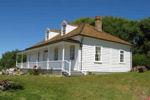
54,65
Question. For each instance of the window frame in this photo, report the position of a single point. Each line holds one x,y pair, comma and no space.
38,56
45,55
72,54
98,61
56,53
29,58
120,56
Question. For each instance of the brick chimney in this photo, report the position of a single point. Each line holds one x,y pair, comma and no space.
98,23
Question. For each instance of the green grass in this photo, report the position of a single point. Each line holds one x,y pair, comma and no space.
118,86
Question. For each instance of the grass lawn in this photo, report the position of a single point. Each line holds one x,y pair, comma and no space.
117,86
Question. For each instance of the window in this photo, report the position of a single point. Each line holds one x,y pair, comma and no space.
97,53
121,56
45,55
38,56
56,54
29,58
72,52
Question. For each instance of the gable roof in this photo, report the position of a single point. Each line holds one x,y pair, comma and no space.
83,30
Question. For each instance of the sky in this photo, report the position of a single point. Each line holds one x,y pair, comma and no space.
23,22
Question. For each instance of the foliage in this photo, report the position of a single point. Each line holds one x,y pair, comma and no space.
117,86
145,37
8,59
139,59
34,71
136,32
84,20
123,28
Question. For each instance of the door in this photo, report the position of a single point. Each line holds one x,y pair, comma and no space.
73,57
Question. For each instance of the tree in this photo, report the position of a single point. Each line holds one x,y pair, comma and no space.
8,59
84,20
144,44
120,27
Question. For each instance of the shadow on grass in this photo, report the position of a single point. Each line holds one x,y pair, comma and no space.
7,85
15,87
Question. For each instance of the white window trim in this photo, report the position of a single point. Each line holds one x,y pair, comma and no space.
123,57
98,62
56,54
29,57
45,54
71,52
38,58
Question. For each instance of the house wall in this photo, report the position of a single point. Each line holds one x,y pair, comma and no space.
110,56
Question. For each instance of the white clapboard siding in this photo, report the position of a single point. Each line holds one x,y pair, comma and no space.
109,56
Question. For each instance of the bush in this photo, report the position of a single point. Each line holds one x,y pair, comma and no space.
1,68
141,60
34,71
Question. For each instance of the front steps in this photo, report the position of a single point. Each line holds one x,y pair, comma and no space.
73,73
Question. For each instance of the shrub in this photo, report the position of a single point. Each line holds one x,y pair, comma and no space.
0,68
30,71
141,60
34,71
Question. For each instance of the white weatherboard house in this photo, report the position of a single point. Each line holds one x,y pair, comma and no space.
79,48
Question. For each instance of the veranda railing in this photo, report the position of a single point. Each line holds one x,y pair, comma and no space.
54,65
